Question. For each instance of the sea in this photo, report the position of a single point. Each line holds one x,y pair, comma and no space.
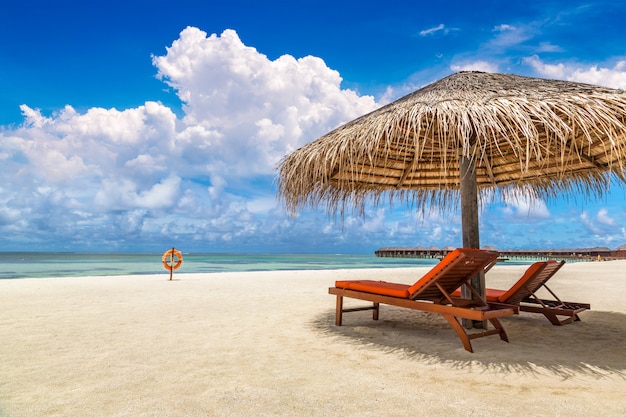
14,265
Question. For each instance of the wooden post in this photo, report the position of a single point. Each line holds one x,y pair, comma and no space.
470,226
172,263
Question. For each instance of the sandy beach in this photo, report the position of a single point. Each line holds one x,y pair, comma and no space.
265,344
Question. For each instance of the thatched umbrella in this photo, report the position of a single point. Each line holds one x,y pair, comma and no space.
500,135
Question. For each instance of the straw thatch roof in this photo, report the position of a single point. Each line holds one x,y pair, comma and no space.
530,137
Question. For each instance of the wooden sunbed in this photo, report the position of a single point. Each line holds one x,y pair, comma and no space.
523,294
432,293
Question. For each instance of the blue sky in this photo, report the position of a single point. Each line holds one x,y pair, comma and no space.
138,125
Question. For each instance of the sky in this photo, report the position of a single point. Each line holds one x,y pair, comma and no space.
138,125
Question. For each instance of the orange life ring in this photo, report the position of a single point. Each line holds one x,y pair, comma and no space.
168,259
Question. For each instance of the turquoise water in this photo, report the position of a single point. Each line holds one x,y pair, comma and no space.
37,265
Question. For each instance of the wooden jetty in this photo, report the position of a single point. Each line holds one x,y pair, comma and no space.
580,254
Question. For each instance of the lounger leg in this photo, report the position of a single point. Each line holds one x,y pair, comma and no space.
501,332
459,330
375,312
339,311
555,320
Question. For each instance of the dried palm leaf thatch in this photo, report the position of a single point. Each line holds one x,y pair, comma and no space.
529,137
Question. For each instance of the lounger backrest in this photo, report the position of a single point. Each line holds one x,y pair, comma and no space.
535,276
456,268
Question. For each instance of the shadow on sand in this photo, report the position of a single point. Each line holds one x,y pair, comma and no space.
593,346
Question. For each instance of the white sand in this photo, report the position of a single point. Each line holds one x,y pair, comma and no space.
264,344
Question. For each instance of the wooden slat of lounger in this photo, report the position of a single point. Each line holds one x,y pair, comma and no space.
448,312
466,313
427,294
528,301
564,305
457,272
552,309
541,277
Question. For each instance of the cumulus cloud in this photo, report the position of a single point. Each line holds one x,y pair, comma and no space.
614,77
110,179
143,173
604,218
252,110
602,226
524,209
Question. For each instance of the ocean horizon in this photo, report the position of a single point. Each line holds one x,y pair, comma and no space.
15,265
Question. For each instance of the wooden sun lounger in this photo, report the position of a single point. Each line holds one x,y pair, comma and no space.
523,294
432,293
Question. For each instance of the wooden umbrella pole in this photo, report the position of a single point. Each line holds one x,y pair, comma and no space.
470,226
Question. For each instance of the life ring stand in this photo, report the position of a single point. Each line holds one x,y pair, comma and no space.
168,260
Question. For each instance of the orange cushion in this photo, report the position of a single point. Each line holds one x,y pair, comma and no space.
376,287
494,295
403,290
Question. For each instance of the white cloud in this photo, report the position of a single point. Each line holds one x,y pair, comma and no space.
262,204
548,47
253,109
509,36
431,31
602,225
603,218
374,222
108,173
33,116
522,37
546,70
504,28
126,194
439,29
589,224
145,175
614,77
527,209
609,77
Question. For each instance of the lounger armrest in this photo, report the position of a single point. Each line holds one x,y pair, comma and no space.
465,303
498,306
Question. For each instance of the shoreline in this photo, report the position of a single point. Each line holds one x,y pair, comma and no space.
265,344
80,265
62,265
